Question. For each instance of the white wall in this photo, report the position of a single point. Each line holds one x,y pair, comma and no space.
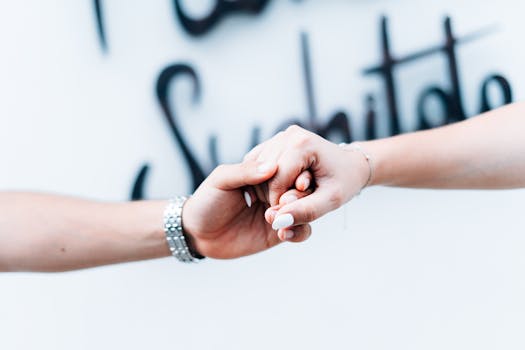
396,269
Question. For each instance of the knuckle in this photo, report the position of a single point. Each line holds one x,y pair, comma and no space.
276,189
335,199
302,140
251,155
293,129
279,135
308,212
245,170
221,168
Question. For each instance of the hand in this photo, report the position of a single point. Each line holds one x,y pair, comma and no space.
218,220
338,175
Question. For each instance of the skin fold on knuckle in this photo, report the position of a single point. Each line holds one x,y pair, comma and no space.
305,212
335,199
251,155
247,174
302,142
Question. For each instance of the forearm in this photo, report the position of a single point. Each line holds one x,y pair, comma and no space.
53,233
485,152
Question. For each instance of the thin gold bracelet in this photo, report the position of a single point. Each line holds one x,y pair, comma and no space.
355,147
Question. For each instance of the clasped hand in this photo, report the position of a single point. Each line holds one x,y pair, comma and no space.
281,186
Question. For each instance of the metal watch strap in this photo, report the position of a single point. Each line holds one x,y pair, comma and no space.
174,233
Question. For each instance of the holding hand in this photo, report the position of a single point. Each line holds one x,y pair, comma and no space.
218,220
339,174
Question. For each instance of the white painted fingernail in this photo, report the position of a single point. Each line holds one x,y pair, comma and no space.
283,221
264,168
248,199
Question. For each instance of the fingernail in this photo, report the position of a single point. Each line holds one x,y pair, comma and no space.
305,183
248,199
264,168
288,234
270,214
283,221
289,198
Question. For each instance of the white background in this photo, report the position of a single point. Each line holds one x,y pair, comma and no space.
395,269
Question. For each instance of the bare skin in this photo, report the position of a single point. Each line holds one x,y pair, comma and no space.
48,233
485,152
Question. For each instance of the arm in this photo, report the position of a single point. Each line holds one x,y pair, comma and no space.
486,152
52,233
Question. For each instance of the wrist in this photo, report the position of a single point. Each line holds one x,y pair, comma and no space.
361,166
376,150
144,231
176,238
190,229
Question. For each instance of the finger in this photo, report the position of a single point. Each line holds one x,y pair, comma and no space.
271,213
304,180
293,195
307,209
295,234
292,163
273,148
289,197
262,192
254,153
236,176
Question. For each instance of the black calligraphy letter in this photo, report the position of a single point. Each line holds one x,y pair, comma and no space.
166,77
99,17
223,8
386,70
504,87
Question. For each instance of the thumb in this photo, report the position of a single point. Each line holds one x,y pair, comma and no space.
248,173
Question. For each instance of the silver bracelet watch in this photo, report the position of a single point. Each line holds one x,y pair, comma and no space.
174,232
